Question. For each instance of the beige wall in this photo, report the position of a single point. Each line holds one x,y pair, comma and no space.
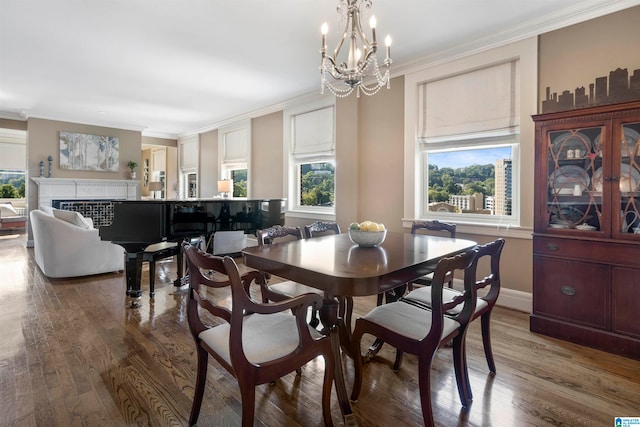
208,173
574,56
347,160
267,170
43,140
381,156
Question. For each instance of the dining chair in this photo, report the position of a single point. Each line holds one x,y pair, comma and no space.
255,342
320,228
432,226
412,329
484,304
446,228
286,289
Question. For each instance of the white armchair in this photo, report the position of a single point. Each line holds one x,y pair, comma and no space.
67,245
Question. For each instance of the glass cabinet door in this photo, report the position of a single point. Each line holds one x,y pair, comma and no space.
626,170
575,193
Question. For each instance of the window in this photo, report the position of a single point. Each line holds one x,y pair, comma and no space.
316,183
310,138
470,178
13,163
189,149
234,152
466,139
239,177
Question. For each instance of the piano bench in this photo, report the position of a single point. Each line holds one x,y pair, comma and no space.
156,252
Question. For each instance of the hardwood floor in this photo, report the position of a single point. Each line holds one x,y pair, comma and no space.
72,353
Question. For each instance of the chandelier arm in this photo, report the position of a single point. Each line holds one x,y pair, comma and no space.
370,47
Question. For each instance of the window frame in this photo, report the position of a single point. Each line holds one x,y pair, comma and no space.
526,52
292,184
471,143
225,167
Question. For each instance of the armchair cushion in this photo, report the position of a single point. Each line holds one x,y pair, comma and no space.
408,320
265,337
63,249
74,218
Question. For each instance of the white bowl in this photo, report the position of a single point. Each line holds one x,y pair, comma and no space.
367,238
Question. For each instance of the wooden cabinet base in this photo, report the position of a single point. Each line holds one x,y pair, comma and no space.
589,337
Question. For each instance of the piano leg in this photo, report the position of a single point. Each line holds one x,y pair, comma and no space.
180,260
133,271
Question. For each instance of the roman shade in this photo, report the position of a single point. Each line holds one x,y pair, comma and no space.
482,101
236,146
313,132
189,153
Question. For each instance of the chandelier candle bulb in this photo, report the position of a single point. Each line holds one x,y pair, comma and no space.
372,24
324,29
387,43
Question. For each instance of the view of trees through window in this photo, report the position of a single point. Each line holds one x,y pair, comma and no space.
12,185
239,177
471,181
317,184
467,180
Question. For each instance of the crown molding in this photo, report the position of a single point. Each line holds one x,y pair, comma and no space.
586,10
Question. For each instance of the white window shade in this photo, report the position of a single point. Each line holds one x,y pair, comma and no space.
486,100
313,132
236,146
14,156
189,154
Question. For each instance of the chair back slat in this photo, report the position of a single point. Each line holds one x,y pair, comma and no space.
320,228
270,235
492,280
434,225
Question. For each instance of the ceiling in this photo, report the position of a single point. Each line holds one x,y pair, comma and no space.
170,67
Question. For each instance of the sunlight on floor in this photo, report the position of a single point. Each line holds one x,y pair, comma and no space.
13,293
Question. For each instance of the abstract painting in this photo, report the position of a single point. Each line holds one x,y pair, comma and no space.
79,151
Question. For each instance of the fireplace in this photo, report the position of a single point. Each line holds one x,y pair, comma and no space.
70,189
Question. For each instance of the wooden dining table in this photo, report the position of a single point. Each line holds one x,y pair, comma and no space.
342,269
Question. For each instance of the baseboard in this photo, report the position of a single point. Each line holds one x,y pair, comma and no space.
516,300
508,298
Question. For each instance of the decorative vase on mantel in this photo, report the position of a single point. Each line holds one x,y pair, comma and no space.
132,166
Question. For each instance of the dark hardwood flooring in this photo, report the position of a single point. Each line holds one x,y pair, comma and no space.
73,354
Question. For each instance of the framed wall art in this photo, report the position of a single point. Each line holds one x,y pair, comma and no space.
79,151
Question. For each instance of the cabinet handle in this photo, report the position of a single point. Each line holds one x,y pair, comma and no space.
568,290
552,246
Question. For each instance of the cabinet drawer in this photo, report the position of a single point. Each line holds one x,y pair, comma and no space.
575,291
564,247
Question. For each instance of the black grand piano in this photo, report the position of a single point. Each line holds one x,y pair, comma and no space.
139,224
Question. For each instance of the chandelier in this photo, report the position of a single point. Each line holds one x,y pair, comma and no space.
360,62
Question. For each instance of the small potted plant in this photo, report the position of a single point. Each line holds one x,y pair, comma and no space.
132,165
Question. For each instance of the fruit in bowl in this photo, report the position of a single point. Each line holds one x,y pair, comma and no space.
367,233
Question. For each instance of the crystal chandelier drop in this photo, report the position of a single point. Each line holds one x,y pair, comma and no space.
360,62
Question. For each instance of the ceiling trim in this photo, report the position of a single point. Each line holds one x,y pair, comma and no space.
589,9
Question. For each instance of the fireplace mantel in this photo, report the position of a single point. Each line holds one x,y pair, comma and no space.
84,189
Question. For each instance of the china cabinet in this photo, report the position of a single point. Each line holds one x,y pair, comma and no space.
586,242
